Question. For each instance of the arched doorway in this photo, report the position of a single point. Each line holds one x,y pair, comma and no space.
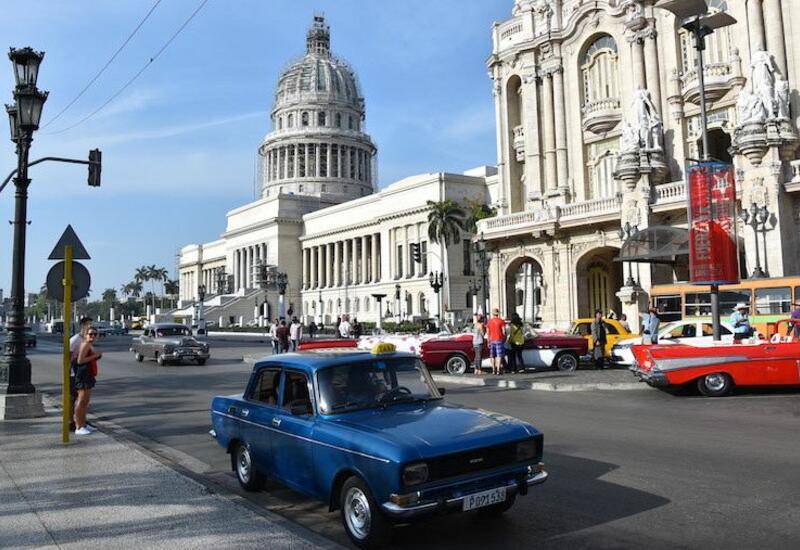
524,292
598,278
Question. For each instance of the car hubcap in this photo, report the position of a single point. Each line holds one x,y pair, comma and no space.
568,363
356,512
243,464
715,382
457,365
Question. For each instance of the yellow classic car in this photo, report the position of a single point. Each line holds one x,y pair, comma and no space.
614,332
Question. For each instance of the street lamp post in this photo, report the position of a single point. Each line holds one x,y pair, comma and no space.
201,321
23,117
397,303
282,281
694,17
474,287
437,282
379,298
479,247
757,218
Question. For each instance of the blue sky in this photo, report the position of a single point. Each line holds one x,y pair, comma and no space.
179,144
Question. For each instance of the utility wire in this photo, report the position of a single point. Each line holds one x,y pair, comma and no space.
138,74
111,60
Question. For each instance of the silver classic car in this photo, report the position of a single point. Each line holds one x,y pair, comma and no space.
168,343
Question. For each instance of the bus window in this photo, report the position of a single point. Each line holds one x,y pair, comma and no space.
773,300
698,304
797,296
669,307
729,298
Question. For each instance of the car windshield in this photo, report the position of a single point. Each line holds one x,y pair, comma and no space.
172,331
377,383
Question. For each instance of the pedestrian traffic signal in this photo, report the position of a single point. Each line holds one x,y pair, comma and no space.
95,165
416,252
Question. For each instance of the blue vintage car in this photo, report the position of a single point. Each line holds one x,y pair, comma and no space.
370,434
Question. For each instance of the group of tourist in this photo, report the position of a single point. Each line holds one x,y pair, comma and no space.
286,337
502,339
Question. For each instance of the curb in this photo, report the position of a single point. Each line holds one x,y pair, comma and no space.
507,383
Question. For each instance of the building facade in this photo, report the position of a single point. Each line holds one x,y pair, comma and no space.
597,108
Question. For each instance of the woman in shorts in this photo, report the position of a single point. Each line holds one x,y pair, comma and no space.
85,377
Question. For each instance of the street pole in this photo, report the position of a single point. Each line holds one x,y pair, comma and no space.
66,395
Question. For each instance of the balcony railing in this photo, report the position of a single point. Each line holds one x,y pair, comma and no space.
591,208
674,191
601,115
717,77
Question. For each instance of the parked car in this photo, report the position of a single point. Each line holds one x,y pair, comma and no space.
614,332
714,369
371,436
30,338
677,332
169,343
543,350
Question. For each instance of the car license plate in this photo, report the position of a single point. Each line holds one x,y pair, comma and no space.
484,498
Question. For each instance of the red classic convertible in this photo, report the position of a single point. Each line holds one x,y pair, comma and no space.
715,368
454,354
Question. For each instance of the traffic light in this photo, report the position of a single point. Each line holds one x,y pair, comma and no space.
95,165
416,252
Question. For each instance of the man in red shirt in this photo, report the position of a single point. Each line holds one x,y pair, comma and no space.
496,334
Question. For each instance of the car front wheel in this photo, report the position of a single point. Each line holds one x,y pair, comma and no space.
201,362
365,524
456,365
161,361
245,469
715,384
566,362
139,357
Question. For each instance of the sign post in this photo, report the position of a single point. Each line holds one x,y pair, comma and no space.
67,281
713,243
66,393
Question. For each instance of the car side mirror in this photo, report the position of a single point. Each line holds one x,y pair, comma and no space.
301,409
442,391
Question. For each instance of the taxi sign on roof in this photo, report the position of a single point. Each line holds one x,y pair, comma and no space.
383,347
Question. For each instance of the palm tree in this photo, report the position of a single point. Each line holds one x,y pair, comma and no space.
160,274
171,287
445,225
135,288
477,210
109,296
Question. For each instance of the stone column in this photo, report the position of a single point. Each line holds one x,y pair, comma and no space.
500,122
561,129
776,40
313,266
551,170
337,262
296,163
329,264
323,281
637,55
305,268
364,271
651,65
345,263
755,24
353,261
329,162
375,264
317,159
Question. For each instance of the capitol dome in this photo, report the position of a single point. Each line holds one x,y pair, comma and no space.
317,144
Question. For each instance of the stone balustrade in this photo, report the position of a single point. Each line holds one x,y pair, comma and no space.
674,191
717,81
512,32
601,115
795,165
594,207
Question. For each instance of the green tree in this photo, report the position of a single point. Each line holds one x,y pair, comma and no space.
109,296
476,210
171,288
445,225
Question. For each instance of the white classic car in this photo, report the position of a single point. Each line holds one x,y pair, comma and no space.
676,332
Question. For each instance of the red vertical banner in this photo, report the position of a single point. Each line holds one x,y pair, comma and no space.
713,243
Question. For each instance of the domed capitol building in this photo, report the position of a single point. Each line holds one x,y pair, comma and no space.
597,107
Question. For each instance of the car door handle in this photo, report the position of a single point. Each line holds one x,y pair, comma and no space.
245,412
276,422
231,410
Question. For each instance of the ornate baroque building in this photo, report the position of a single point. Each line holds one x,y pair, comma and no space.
597,108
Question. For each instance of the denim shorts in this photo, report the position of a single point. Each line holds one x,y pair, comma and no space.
83,380
497,349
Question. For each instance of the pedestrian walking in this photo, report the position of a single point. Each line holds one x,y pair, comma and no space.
85,379
599,339
74,346
740,319
273,334
344,327
623,321
357,328
295,333
496,331
478,337
282,334
516,341
312,329
650,325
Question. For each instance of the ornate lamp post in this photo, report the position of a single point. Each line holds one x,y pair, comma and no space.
482,260
281,281
379,298
23,118
437,282
201,321
397,303
757,218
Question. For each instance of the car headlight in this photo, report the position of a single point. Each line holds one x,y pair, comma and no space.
415,474
526,450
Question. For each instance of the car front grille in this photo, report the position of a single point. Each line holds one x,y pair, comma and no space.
477,460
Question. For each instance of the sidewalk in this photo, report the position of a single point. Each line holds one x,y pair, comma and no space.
549,380
99,493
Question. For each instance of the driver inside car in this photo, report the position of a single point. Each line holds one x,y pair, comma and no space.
362,386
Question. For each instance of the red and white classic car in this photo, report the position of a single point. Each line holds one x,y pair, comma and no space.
454,354
716,368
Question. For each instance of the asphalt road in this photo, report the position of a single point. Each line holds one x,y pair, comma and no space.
634,469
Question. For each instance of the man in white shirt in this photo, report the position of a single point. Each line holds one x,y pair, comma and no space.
344,328
295,333
273,333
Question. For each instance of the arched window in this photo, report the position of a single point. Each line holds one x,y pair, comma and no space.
423,304
350,122
304,119
600,71
322,119
290,121
280,123
356,305
601,162
366,305
338,120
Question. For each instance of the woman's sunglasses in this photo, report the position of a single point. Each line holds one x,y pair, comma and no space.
92,334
